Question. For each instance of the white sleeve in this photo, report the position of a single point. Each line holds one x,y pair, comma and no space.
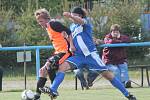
85,21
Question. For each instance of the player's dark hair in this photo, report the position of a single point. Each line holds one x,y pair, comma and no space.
79,10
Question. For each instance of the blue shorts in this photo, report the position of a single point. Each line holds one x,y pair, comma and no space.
93,61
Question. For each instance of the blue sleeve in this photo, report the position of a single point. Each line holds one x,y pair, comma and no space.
87,22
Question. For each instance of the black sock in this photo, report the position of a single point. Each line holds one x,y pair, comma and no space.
41,82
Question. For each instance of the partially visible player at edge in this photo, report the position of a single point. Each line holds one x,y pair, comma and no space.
61,41
85,54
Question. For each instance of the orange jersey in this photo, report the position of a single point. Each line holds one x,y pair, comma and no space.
59,43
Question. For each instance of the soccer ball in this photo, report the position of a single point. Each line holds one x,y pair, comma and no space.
27,95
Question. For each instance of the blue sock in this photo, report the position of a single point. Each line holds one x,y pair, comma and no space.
57,81
116,83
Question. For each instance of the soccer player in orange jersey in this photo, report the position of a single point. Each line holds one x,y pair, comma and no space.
61,41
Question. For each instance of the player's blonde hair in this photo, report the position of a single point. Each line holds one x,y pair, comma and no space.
42,13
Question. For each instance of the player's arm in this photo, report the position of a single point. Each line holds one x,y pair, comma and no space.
58,27
69,39
72,48
74,18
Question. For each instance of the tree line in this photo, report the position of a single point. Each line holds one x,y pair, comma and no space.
18,25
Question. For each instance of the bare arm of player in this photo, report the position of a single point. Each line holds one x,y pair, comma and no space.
69,39
64,34
74,17
72,47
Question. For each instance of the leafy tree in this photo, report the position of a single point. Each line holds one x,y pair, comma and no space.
26,30
126,14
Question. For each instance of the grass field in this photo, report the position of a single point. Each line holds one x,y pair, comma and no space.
93,94
101,90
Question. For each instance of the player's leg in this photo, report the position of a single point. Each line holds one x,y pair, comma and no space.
54,64
41,81
97,63
116,83
53,67
70,63
115,69
60,76
52,90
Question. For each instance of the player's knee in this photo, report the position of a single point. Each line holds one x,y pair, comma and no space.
78,72
108,75
42,73
64,67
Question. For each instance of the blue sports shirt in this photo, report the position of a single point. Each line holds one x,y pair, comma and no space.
82,38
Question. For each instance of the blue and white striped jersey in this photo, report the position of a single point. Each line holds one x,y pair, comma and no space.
82,37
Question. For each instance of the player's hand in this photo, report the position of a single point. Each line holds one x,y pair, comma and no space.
72,48
43,70
64,34
67,14
46,66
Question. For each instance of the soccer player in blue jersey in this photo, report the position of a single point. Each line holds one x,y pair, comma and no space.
85,54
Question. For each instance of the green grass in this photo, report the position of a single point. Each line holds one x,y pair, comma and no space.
100,93
93,94
69,76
